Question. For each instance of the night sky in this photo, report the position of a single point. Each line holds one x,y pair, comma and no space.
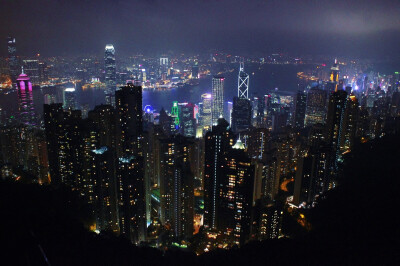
73,27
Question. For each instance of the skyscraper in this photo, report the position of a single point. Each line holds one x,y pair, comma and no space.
25,100
332,85
206,110
110,74
130,174
217,98
188,120
316,107
241,108
300,111
69,97
12,58
243,82
218,143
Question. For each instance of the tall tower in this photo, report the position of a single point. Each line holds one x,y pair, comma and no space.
12,58
243,82
25,100
206,110
241,109
217,98
110,73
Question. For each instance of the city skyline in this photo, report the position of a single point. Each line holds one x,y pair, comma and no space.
201,133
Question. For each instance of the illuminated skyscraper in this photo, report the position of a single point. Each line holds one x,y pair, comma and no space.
243,82
332,85
241,108
206,110
188,120
110,74
217,99
316,107
25,100
69,96
12,58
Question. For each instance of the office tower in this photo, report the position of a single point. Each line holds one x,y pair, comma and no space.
110,74
334,124
176,185
69,97
243,82
25,100
206,110
316,106
217,106
218,143
105,189
300,109
188,120
31,68
130,116
12,58
241,114
241,108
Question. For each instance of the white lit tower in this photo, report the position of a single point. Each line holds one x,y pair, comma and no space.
110,73
243,82
241,107
217,106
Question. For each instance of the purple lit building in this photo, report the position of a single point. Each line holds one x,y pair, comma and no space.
25,100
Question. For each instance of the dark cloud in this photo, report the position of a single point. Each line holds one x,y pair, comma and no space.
308,26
